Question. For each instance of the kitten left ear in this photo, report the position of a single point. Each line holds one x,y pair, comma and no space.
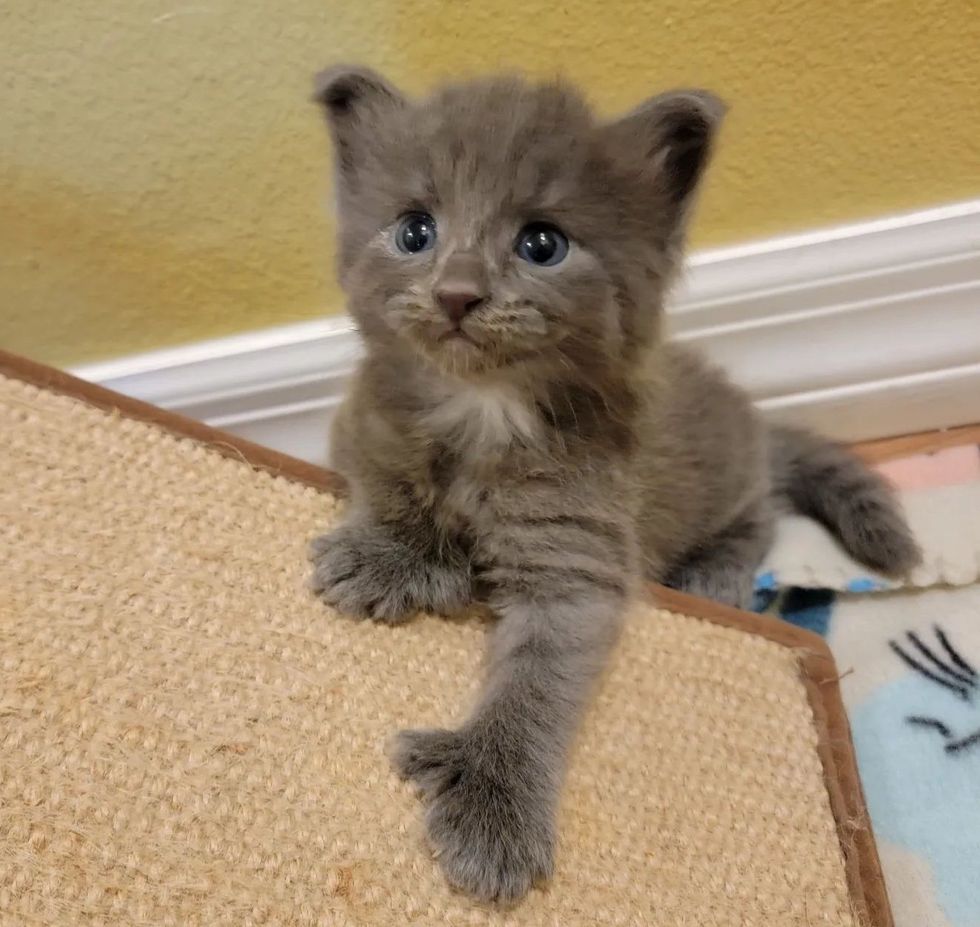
668,140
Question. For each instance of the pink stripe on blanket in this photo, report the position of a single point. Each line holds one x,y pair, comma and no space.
949,467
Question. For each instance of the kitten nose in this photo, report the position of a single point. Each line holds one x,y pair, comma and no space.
462,285
458,301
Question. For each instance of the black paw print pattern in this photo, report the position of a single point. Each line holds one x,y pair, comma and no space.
942,664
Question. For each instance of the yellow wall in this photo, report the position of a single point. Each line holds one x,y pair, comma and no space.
161,171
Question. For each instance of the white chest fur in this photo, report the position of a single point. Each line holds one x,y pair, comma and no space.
480,422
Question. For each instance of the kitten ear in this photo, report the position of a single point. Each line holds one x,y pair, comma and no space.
668,140
353,99
343,90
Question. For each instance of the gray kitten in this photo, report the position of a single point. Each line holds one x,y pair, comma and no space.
519,432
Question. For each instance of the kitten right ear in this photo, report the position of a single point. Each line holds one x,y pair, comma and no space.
343,90
354,99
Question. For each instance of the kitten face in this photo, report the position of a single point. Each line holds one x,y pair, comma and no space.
497,227
485,167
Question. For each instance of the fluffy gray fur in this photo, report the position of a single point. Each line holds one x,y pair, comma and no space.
542,448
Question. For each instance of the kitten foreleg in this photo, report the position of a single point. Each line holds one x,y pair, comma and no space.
492,786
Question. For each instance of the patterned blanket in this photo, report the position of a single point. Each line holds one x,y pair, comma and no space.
909,656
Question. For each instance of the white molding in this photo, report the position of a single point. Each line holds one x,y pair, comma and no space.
861,331
862,247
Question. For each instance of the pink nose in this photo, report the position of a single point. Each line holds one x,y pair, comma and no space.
458,302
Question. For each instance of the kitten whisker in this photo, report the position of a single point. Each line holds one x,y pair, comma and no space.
571,408
554,417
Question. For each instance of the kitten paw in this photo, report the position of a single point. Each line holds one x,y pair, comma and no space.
364,573
489,822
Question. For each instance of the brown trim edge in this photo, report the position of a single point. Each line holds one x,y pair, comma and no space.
834,743
262,458
926,442
817,668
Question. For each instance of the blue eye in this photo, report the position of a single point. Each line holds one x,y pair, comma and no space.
541,244
416,232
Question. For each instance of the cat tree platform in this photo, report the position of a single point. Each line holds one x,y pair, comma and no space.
189,737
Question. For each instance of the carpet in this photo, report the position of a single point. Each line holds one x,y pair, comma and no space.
187,736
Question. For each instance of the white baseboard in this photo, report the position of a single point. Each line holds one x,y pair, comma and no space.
861,331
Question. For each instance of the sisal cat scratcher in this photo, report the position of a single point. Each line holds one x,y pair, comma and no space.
188,737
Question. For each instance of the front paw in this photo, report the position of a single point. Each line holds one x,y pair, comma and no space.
365,573
490,819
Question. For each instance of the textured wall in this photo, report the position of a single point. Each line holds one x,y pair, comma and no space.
161,171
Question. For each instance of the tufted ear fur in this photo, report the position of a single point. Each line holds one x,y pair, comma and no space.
665,144
354,100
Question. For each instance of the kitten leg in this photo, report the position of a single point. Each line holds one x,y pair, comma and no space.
723,568
492,786
388,572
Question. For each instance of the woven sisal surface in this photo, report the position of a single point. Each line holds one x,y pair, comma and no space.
188,737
